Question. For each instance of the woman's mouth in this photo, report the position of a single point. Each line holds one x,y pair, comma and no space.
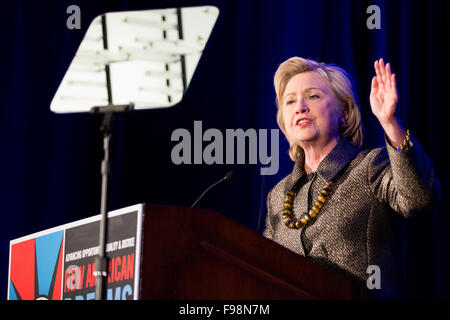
303,122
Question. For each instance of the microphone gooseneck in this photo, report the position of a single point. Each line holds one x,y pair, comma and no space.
228,176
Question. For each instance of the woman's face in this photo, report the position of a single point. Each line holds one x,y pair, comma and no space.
310,110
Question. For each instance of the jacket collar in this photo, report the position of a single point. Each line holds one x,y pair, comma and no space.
330,166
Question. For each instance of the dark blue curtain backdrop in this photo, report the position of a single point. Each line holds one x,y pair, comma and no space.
50,164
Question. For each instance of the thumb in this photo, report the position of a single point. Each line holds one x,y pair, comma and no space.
374,88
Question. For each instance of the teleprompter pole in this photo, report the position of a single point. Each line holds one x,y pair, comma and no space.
101,261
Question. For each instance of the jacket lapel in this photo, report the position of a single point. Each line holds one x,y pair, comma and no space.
331,165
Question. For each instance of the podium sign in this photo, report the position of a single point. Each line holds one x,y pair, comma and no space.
59,263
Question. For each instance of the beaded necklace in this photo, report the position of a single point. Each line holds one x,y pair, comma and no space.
288,216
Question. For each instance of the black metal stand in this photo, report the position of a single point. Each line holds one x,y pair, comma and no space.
101,261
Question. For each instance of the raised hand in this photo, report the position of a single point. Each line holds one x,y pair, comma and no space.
383,101
383,95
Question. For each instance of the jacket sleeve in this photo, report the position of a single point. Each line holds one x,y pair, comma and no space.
405,180
268,231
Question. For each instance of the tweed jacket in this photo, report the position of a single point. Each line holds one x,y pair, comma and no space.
354,228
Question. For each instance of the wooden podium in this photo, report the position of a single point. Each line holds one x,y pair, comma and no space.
199,254
166,253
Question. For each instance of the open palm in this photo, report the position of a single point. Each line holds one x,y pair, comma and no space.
383,94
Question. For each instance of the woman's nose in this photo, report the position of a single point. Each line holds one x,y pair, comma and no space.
301,106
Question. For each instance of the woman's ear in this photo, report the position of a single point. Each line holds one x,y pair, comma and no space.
345,111
343,119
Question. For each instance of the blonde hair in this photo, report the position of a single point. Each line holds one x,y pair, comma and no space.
339,83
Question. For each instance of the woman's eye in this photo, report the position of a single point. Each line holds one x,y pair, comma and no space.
289,102
314,96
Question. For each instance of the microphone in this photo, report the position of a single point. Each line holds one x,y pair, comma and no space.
227,176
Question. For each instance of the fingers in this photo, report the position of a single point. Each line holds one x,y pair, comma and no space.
394,82
378,72
388,75
382,71
384,74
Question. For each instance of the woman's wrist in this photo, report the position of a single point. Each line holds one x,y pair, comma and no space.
394,130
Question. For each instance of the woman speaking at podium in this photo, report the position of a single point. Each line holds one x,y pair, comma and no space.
338,203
